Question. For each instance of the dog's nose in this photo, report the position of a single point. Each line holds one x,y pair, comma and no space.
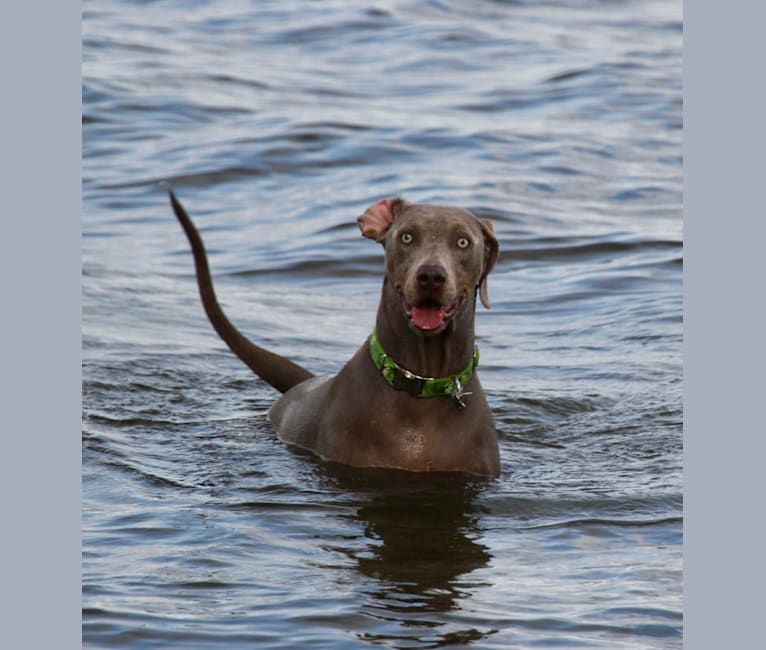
431,276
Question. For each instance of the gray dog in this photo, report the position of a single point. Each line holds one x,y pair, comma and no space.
409,398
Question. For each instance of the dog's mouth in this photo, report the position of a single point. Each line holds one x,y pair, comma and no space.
429,314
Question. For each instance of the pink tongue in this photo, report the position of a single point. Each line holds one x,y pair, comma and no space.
427,317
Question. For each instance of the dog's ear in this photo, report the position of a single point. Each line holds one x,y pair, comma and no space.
491,250
377,219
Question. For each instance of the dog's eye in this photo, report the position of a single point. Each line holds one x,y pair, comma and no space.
406,237
463,242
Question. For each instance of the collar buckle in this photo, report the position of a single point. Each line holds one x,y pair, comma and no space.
407,381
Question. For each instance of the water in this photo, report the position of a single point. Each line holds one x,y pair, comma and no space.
278,123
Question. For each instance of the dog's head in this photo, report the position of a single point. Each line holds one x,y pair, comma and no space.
436,257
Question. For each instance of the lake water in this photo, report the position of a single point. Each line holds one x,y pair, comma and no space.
278,123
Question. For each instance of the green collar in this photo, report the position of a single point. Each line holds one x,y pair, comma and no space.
417,386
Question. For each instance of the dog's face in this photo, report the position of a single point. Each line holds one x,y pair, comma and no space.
436,258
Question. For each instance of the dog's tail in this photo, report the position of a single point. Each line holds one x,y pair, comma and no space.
281,373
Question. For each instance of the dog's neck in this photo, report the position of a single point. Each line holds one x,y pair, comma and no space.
436,355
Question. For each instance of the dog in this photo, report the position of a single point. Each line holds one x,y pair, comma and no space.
410,398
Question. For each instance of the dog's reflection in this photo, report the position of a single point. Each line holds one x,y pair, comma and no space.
423,534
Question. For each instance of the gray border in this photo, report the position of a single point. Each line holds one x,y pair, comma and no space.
724,324
40,50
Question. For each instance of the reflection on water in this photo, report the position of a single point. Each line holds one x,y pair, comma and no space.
423,543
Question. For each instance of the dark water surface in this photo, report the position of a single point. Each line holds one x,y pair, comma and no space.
278,123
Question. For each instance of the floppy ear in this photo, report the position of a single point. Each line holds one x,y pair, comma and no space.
377,219
491,250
